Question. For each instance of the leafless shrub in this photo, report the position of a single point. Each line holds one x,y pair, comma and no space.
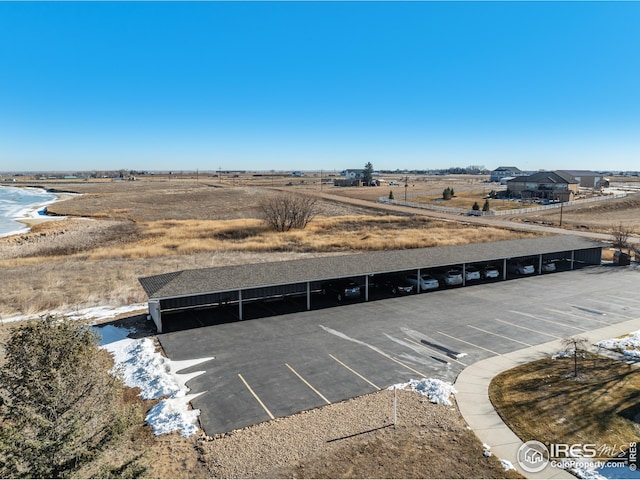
287,211
575,345
621,236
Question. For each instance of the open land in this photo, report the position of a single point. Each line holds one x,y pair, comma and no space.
119,231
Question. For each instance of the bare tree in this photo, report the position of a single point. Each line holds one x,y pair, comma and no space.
621,237
576,345
287,211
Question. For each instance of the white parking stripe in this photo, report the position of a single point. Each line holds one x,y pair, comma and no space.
355,373
526,328
256,397
614,304
626,299
547,320
440,354
308,384
501,336
581,317
469,343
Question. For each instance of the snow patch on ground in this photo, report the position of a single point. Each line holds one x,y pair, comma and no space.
486,450
139,365
586,473
90,313
628,345
435,390
507,465
563,354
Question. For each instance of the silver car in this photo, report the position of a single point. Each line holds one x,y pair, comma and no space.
427,282
471,273
522,268
452,277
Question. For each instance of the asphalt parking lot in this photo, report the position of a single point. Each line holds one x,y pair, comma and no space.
279,365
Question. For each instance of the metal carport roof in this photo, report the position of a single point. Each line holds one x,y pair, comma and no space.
238,277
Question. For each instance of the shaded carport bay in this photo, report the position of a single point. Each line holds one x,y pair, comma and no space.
242,285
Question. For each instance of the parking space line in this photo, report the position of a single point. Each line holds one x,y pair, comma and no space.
436,352
308,384
256,397
582,317
612,313
526,328
469,343
627,299
397,361
501,336
550,321
355,373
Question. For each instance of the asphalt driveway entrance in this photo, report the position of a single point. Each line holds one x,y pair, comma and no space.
276,366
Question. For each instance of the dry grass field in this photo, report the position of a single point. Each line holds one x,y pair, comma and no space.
119,231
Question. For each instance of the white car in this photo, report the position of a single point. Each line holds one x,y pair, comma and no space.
471,273
548,266
522,268
490,272
427,282
451,277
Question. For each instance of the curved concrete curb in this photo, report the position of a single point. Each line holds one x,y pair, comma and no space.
473,401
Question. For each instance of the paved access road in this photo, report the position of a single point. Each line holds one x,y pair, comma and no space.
277,366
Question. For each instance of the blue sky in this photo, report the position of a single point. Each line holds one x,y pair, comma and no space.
319,85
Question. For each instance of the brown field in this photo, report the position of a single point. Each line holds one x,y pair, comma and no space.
119,231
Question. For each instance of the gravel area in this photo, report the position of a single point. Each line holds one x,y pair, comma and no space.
355,439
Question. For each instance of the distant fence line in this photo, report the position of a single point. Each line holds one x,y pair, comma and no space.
515,211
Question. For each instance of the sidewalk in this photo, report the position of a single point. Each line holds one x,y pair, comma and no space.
473,401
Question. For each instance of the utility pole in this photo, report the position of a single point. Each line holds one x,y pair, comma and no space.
406,185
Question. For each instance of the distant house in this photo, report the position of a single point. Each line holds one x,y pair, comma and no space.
354,174
501,172
587,178
555,186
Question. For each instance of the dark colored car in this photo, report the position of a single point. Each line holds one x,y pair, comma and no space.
341,289
393,283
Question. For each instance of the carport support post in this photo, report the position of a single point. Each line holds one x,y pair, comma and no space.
464,274
573,253
240,304
366,288
309,290
418,282
504,269
540,263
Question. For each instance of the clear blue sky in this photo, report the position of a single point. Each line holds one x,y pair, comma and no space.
319,85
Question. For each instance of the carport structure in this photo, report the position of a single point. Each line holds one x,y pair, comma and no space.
241,284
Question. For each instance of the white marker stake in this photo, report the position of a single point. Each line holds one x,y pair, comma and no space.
395,411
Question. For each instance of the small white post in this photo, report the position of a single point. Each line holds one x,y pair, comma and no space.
395,407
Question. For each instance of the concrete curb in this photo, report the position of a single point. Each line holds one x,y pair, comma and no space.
473,401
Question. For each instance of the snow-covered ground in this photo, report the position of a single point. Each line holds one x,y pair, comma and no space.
628,345
94,314
138,364
435,390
